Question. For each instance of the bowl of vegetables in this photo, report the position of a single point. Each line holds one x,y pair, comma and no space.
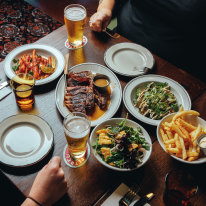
121,144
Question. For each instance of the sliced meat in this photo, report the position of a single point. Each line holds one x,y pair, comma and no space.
100,99
80,79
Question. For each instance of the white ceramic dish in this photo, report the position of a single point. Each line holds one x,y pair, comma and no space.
128,59
116,91
24,140
41,49
115,121
194,121
180,93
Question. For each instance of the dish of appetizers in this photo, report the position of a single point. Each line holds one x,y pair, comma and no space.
44,62
178,135
84,93
121,144
149,98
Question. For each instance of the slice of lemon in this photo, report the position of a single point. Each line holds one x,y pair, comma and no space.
47,70
20,91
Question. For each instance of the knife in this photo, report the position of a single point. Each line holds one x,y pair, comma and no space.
143,200
4,84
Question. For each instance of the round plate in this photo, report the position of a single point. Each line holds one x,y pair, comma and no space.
128,59
115,121
24,140
180,93
116,91
195,121
42,50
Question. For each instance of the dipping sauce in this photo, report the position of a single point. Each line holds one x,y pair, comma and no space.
202,142
101,82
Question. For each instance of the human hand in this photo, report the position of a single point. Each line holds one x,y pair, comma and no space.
99,21
50,184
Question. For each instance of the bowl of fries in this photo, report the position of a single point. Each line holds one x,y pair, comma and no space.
177,134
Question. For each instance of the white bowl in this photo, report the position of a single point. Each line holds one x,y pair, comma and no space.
115,121
194,121
41,49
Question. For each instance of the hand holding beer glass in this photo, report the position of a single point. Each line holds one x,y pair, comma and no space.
77,129
75,18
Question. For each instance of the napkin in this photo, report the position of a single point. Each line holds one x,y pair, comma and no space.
4,92
113,199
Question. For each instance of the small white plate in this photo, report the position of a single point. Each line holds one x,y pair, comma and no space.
128,59
116,91
41,49
115,121
24,140
180,93
195,121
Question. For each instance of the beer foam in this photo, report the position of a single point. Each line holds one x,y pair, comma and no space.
77,128
75,14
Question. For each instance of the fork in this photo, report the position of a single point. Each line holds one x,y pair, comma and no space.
127,199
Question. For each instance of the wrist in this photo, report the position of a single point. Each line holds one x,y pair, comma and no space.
29,202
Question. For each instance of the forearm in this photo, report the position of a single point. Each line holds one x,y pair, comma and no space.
106,4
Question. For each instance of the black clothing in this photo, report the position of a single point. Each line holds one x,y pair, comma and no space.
172,29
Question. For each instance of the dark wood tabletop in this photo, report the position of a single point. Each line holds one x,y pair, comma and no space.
88,183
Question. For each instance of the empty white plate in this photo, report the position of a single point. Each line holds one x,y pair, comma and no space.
24,140
128,59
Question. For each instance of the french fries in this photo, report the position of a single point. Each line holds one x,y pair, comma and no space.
180,135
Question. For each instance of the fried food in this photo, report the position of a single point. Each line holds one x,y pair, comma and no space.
180,135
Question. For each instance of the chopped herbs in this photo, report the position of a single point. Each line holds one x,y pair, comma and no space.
15,67
155,100
121,146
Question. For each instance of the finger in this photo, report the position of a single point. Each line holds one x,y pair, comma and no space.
55,161
104,25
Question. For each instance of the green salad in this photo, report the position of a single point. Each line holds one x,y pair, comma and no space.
155,100
121,146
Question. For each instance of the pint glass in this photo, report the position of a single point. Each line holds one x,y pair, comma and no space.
77,129
75,19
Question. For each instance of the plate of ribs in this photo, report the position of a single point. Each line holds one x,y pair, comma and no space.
79,93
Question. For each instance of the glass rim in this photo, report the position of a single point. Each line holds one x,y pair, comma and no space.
167,176
32,86
73,5
83,117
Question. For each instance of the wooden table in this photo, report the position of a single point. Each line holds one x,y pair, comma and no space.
89,182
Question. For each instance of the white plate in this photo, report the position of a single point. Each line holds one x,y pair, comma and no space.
24,140
116,91
128,59
115,121
43,50
180,93
194,121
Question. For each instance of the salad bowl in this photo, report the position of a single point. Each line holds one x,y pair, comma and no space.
130,125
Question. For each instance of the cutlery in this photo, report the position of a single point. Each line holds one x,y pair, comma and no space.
127,199
143,200
115,35
3,84
66,67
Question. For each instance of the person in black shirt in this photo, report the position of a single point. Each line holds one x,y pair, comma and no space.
172,29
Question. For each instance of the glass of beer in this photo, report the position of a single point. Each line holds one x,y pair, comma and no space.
181,187
23,87
77,129
75,19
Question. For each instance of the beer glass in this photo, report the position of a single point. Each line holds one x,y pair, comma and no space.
23,87
75,19
77,129
181,186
